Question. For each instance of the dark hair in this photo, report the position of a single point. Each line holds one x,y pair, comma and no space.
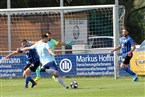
44,36
48,33
127,29
23,40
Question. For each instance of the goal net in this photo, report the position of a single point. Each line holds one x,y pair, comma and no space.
90,27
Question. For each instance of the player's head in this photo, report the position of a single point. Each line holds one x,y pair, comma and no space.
125,31
44,38
48,34
24,42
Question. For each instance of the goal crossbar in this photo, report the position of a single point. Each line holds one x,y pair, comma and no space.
55,8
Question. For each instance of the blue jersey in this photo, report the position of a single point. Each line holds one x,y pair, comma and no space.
126,43
31,55
42,50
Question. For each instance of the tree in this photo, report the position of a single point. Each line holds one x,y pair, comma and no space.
134,18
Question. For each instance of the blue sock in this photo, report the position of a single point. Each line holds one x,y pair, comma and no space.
30,79
27,79
127,69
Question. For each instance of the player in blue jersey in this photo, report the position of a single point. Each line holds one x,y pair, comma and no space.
31,64
52,43
46,58
127,46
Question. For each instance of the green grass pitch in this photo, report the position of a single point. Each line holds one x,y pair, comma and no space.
88,87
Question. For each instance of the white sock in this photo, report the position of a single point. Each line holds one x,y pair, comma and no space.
53,72
50,71
61,82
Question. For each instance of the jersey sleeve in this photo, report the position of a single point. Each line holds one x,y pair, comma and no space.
120,41
131,41
55,42
33,46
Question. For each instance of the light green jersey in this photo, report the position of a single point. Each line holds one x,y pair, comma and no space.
52,43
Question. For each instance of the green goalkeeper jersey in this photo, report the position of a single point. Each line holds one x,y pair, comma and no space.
52,43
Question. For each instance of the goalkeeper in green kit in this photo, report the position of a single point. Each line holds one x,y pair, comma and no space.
52,43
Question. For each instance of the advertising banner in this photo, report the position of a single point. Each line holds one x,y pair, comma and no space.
138,63
76,30
86,64
12,67
68,65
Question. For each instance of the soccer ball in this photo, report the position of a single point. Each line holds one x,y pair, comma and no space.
74,85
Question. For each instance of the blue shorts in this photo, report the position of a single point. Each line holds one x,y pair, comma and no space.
50,65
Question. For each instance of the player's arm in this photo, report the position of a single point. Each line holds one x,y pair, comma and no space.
133,47
70,43
11,54
28,48
61,44
32,42
24,49
50,51
117,48
57,43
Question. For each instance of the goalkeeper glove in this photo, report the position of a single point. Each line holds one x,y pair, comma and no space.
70,43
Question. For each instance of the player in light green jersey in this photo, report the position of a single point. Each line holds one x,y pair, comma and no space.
52,43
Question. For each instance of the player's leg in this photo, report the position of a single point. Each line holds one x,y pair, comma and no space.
32,68
25,74
56,74
57,77
27,77
60,81
126,67
54,71
38,76
26,66
53,77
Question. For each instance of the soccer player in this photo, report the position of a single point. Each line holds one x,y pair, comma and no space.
52,43
127,46
32,63
45,54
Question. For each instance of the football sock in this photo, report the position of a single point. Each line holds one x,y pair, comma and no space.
38,72
61,82
53,72
27,81
127,69
30,79
50,71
